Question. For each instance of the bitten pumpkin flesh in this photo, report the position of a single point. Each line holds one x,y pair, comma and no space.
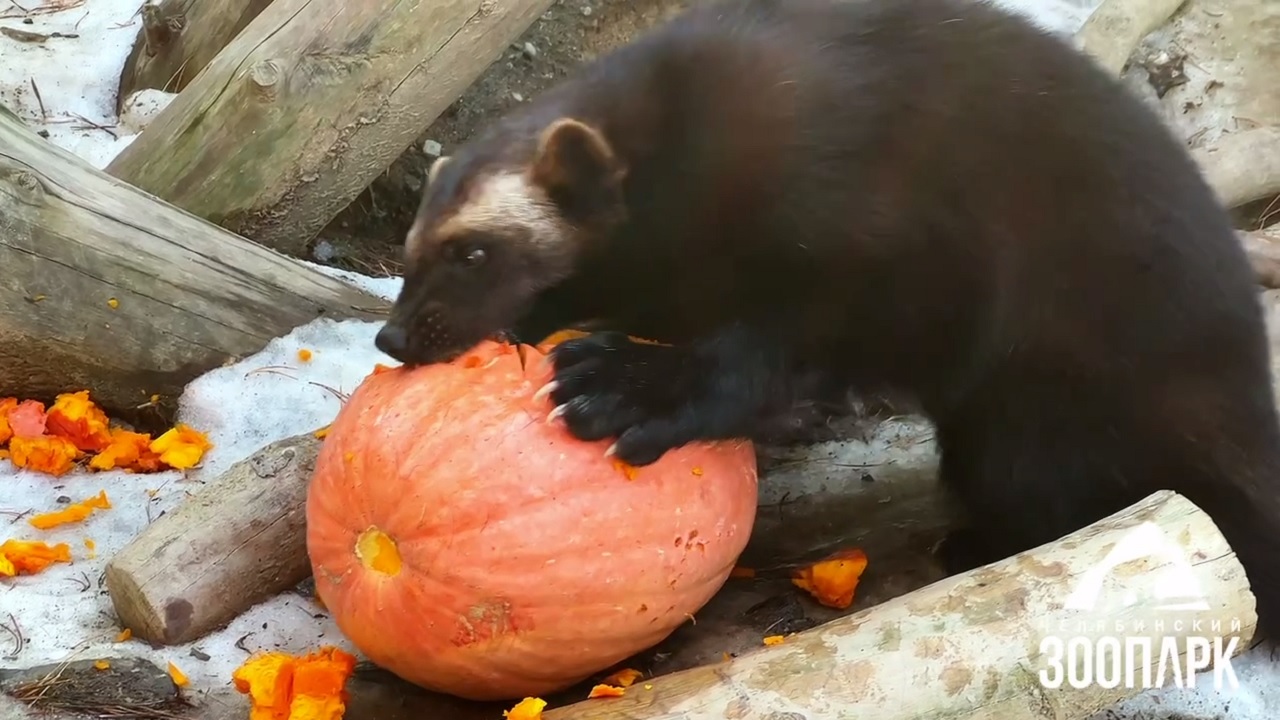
469,546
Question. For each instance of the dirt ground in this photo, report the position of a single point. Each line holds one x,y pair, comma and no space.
366,237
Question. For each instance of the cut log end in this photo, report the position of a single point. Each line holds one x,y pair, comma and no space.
178,39
158,31
240,541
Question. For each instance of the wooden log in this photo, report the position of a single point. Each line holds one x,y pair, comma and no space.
178,39
309,103
972,646
1116,27
107,288
1263,248
1242,166
220,552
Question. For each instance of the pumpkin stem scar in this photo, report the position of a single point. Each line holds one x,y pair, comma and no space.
378,552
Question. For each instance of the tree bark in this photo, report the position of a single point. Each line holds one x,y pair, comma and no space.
970,646
109,289
221,552
178,39
309,103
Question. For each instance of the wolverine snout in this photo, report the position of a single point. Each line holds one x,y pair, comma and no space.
393,340
424,338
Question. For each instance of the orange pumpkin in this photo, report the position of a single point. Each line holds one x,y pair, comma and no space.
471,547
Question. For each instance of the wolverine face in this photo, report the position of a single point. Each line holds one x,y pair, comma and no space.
491,235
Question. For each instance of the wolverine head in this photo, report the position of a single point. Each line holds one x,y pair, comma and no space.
501,221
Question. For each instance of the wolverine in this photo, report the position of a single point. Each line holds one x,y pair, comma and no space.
930,198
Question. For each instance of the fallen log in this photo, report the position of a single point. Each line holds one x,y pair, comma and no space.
309,103
1242,166
107,288
975,645
178,39
220,552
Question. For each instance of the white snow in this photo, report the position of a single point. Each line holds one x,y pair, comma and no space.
64,612
276,394
67,85
1059,16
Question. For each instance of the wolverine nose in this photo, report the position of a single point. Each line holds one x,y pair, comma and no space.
392,340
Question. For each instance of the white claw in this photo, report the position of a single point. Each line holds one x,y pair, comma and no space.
555,414
545,391
613,450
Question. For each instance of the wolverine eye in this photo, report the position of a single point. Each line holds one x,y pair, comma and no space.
466,254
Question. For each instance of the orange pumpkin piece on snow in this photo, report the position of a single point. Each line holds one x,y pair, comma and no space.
127,450
75,417
181,447
50,454
28,557
73,513
468,545
285,687
26,419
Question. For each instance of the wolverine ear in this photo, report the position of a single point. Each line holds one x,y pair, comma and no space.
436,167
574,161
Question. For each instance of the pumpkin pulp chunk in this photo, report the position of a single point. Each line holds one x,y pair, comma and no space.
378,552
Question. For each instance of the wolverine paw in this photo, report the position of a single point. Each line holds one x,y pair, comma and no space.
605,385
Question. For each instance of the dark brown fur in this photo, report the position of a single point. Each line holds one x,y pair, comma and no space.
924,196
